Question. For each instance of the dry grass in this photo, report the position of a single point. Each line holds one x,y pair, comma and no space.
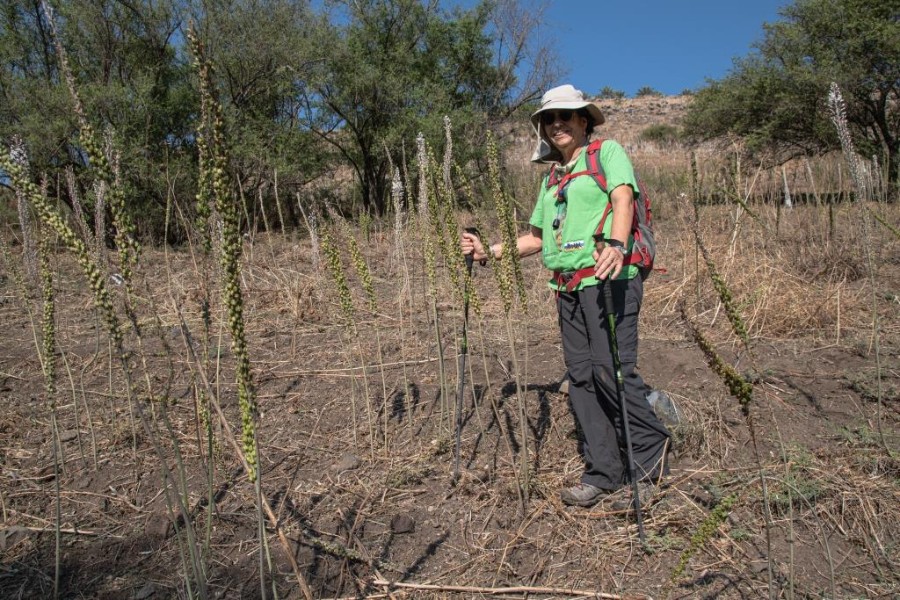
382,507
806,307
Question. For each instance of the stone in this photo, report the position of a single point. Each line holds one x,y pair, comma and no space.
348,462
403,524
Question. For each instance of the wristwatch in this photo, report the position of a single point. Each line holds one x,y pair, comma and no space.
613,243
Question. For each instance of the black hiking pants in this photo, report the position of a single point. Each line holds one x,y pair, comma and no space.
592,386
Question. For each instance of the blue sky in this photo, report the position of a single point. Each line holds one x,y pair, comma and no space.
669,45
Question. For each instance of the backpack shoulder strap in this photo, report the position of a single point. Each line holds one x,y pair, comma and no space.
595,167
551,178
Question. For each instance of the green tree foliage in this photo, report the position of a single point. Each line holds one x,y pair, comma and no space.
130,80
307,89
775,97
395,68
662,133
263,54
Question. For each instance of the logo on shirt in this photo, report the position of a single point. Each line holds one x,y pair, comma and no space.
573,246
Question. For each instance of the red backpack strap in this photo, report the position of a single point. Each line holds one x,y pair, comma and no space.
552,179
595,168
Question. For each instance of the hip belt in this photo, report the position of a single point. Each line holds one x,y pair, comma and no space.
570,279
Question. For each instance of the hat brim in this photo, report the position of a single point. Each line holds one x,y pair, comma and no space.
546,151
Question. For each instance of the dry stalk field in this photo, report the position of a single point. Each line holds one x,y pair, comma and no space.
134,476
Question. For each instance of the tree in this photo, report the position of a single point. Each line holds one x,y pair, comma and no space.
397,67
263,54
775,97
130,78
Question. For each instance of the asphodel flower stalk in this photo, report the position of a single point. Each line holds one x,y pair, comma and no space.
441,213
739,387
26,227
231,249
48,317
397,195
126,242
510,274
448,152
51,217
339,278
722,290
425,212
838,109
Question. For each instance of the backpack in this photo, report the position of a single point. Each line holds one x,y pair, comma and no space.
644,249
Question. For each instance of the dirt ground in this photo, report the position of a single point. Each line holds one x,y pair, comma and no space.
357,463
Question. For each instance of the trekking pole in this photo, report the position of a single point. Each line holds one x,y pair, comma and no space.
620,392
463,354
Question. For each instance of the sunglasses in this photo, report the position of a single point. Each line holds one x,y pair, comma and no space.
547,118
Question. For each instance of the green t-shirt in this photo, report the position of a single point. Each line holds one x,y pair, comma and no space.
570,246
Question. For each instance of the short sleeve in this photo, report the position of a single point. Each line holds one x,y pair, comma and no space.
617,166
537,214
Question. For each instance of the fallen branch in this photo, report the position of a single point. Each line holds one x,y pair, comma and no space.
467,589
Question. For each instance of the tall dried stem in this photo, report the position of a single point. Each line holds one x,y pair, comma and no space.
838,111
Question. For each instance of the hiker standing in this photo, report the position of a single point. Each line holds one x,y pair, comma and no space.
586,236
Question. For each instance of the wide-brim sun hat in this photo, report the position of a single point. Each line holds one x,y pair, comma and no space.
564,97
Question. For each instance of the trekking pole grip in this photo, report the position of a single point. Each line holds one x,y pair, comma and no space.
470,257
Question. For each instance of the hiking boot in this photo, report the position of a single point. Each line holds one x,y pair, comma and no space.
664,408
582,494
624,501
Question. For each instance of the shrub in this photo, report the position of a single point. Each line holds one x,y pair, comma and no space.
662,133
648,91
608,93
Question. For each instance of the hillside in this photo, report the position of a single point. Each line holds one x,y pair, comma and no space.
792,494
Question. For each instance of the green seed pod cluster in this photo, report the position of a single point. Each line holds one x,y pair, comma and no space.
204,194
510,272
365,224
216,168
740,388
336,268
48,214
473,297
441,213
207,426
731,311
361,267
48,325
125,234
707,530
426,212
126,242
